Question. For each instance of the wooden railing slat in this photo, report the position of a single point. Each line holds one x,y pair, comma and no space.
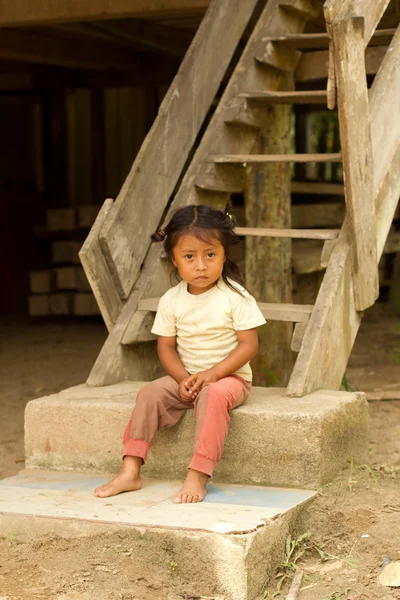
355,138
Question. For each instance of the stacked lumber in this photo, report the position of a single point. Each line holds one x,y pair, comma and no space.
62,288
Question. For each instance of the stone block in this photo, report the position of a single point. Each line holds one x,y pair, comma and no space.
272,440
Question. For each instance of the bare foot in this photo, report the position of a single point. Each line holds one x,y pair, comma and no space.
193,489
123,482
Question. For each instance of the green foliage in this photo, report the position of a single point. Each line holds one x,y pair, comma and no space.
346,383
11,537
173,565
353,468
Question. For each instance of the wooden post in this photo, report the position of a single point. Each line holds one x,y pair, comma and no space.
355,135
268,261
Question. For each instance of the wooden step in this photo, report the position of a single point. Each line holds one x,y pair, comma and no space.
279,57
319,188
245,159
297,97
220,178
295,313
302,8
317,41
307,234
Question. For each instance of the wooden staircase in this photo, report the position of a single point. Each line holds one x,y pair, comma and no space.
128,274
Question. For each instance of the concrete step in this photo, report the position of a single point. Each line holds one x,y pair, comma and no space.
272,440
225,547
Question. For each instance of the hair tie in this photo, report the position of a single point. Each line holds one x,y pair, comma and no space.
158,236
229,216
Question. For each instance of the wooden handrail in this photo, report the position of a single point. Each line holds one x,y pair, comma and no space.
156,170
355,138
335,10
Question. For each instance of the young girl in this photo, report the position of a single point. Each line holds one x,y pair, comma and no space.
207,335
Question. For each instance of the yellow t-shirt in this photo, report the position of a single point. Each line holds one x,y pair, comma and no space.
205,325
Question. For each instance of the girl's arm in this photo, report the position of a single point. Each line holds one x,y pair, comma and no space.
245,351
169,358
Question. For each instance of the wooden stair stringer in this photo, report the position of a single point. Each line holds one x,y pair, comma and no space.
115,361
162,156
334,321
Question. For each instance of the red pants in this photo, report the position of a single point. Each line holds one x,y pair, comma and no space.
158,405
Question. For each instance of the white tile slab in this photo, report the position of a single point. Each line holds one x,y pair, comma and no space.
226,508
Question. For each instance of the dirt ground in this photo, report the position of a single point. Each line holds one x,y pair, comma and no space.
352,525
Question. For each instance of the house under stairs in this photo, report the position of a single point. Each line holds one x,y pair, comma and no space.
298,437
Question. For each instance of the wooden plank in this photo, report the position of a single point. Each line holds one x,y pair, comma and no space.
311,234
155,172
384,100
295,313
279,57
314,66
355,136
317,41
327,252
65,278
34,12
39,305
116,361
371,12
97,272
317,188
42,282
51,50
243,159
220,178
303,8
60,304
297,97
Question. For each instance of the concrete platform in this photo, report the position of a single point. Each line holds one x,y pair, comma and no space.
273,440
227,545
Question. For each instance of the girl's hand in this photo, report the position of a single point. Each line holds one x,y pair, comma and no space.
196,382
185,394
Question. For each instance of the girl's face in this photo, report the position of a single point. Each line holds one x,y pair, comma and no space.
199,262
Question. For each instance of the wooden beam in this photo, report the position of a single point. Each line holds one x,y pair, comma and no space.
21,13
314,65
384,99
335,10
150,36
159,163
307,234
97,271
295,313
355,138
51,50
243,159
315,41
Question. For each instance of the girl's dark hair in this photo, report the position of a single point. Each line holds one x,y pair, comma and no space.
204,222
